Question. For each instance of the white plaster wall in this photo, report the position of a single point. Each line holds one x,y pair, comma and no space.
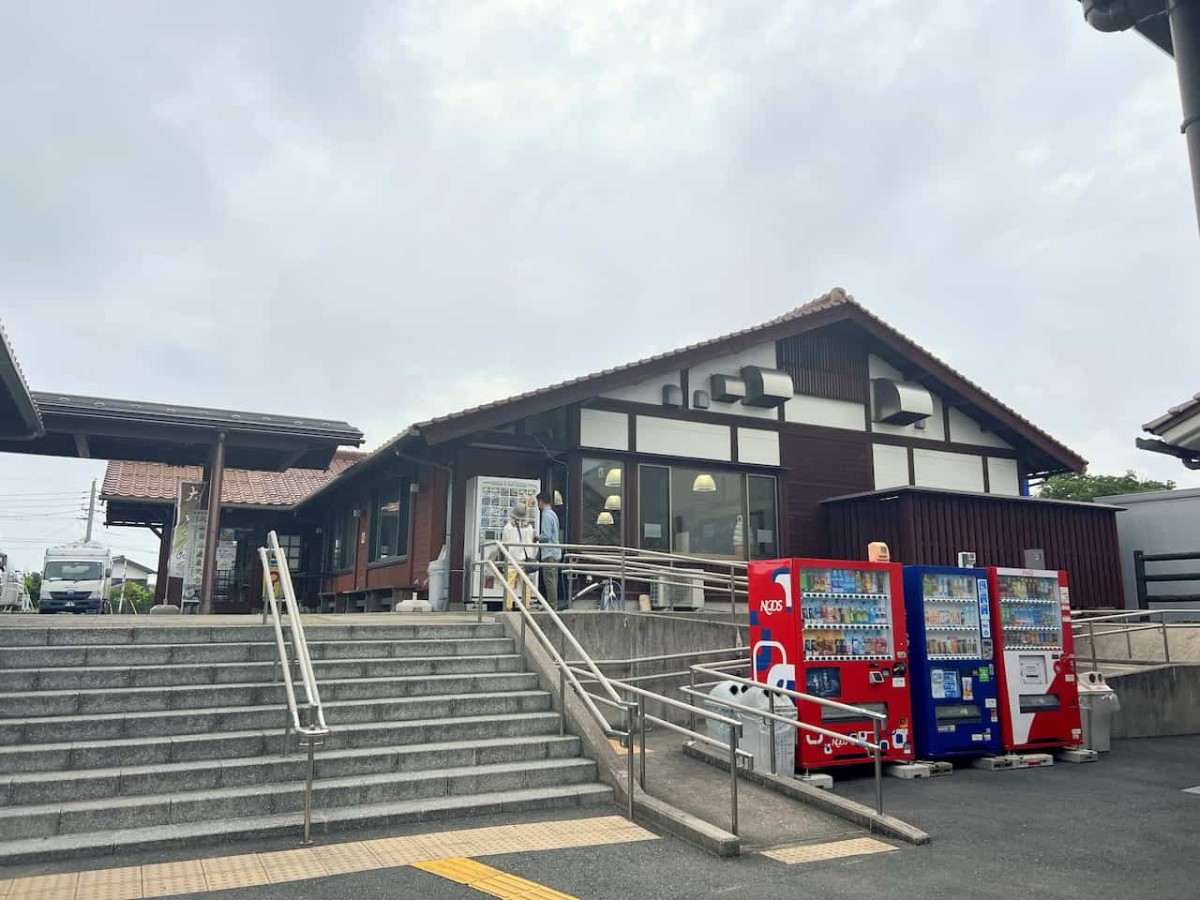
645,391
949,471
676,437
965,430
891,466
758,447
827,413
1003,477
603,429
762,355
881,368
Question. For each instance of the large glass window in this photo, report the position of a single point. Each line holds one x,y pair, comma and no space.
389,522
654,507
603,501
341,541
707,512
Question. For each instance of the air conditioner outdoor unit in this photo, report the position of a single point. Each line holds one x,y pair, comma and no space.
680,590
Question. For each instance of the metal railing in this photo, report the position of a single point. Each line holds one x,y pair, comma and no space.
1143,579
629,567
613,692
307,720
719,673
1084,622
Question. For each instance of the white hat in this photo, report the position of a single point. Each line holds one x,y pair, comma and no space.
519,513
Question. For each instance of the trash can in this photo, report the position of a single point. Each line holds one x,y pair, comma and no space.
756,732
439,582
1097,705
725,691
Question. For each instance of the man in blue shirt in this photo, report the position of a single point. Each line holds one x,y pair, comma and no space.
551,552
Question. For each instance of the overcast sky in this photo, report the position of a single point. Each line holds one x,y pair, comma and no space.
386,211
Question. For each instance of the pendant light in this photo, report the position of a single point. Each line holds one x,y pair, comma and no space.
704,484
605,518
613,501
558,501
613,478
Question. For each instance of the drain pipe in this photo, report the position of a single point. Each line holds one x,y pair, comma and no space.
1184,19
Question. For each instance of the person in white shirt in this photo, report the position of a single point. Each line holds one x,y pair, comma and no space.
519,530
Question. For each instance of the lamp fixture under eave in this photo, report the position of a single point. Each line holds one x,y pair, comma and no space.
613,478
558,500
605,518
613,501
704,484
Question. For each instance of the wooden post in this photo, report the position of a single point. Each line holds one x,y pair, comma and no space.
212,528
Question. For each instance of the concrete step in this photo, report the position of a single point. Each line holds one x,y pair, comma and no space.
223,804
112,700
112,726
99,633
185,674
325,821
40,788
240,652
196,748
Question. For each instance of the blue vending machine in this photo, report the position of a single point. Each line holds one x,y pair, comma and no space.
952,662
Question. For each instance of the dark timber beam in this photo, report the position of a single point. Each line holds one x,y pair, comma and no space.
216,467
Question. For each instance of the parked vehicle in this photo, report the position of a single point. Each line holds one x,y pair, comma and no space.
13,596
76,578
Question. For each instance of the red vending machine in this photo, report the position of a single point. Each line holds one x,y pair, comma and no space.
1035,659
835,630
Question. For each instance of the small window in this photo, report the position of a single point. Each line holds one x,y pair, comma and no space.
763,533
654,507
341,541
389,525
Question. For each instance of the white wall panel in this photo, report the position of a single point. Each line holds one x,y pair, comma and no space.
965,430
758,447
810,410
1003,477
891,466
950,471
676,437
643,392
600,428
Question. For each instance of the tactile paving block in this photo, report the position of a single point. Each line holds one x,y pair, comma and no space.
341,859
808,853
292,865
44,887
225,872
110,884
174,878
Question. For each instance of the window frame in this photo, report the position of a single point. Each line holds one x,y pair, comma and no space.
403,526
342,526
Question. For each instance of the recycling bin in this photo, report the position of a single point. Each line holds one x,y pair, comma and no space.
756,732
717,702
1098,703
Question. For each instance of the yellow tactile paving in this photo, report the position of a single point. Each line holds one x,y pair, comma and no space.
292,865
111,884
808,853
224,872
170,879
247,870
341,859
487,880
44,887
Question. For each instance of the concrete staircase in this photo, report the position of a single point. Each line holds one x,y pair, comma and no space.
118,737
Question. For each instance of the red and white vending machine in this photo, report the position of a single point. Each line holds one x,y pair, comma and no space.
835,630
1035,658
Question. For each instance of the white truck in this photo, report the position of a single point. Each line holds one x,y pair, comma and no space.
13,596
76,578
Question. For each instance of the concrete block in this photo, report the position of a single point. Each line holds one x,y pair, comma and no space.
123,701
1077,755
908,771
39,703
149,655
41,657
64,787
77,636
57,731
198,776
137,752
17,823
34,759
815,780
113,813
1010,761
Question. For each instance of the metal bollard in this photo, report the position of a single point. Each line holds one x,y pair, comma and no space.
692,700
878,770
562,698
1166,644
642,733
630,713
771,702
733,798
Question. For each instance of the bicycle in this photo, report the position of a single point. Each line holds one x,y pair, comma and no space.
610,597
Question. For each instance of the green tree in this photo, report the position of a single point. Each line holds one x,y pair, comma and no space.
33,585
1087,488
137,597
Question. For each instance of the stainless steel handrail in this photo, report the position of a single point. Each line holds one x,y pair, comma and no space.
311,725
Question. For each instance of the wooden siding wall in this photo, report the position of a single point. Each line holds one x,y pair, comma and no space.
818,464
828,363
930,529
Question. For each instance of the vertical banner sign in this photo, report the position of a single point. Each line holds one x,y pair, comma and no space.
187,547
276,588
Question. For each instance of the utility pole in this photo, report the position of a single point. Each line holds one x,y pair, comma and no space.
87,537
